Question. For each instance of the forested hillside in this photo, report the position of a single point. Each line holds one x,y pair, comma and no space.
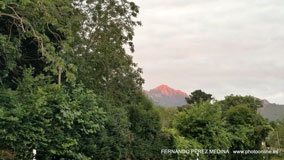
69,90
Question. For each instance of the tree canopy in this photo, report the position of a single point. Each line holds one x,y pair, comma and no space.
198,96
68,87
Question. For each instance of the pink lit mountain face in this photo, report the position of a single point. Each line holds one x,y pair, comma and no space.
164,95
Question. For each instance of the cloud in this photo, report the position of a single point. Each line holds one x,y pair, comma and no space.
221,46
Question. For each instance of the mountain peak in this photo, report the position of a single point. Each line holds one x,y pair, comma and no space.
166,90
163,86
166,96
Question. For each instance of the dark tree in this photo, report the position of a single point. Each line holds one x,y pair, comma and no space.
198,96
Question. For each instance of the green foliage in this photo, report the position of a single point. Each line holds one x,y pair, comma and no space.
198,96
230,124
241,115
166,115
247,127
275,139
232,101
102,53
203,123
52,119
181,142
149,139
68,43
8,55
37,34
114,140
104,67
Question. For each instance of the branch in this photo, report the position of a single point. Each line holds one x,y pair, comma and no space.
22,22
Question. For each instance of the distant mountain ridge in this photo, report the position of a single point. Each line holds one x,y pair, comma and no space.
163,95
271,111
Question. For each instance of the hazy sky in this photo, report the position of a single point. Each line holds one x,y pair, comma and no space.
220,46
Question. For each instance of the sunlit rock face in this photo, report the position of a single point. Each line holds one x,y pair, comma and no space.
164,95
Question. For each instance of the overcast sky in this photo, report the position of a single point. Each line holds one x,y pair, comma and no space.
220,46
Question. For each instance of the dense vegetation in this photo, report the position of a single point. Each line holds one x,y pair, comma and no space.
69,90
232,124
